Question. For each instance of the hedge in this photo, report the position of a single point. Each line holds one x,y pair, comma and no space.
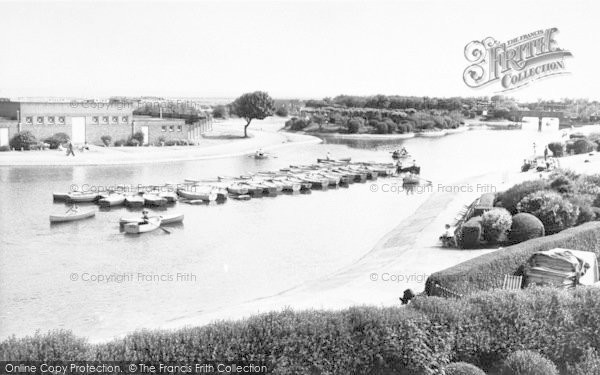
487,271
423,338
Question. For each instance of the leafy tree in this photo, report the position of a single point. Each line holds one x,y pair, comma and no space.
220,111
281,111
255,105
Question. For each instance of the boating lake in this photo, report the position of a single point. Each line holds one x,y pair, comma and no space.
225,254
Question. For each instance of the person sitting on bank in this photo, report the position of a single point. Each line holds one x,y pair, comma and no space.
447,238
399,167
404,152
407,297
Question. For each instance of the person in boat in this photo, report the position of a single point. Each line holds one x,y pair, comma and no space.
403,151
414,163
145,217
70,149
74,208
328,156
399,166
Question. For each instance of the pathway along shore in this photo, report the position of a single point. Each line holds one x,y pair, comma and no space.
225,141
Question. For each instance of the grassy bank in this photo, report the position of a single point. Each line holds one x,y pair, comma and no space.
420,339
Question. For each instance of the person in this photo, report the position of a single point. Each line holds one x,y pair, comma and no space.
145,217
546,153
74,208
399,167
447,238
70,149
328,157
404,152
414,163
408,295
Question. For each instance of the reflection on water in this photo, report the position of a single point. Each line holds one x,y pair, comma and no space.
236,251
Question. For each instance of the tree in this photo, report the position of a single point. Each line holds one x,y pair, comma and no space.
255,105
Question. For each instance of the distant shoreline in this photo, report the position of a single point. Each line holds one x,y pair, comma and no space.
383,137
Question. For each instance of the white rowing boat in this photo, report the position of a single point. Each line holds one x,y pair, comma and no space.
164,219
140,227
72,215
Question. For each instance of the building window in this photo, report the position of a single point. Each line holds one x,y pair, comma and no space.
115,119
29,120
105,119
51,120
171,128
179,128
95,120
40,120
164,128
125,120
61,120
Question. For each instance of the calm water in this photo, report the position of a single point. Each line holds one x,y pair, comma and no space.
233,252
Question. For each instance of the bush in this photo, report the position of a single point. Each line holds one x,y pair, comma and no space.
4,148
382,127
220,111
470,233
487,271
495,224
552,209
120,142
557,148
139,137
355,124
511,197
296,124
562,184
525,227
588,365
527,362
581,146
23,140
463,368
132,142
106,140
281,111
57,140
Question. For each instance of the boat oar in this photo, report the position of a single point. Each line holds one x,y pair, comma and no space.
166,231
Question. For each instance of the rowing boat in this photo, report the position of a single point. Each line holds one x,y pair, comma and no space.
112,200
320,160
140,227
60,197
170,196
77,197
134,201
206,194
154,200
164,219
72,215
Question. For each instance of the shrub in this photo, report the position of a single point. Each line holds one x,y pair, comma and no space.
382,127
139,137
551,208
463,368
588,365
120,142
23,140
355,124
106,140
161,140
562,184
527,362
281,111
132,142
220,111
557,148
296,124
56,140
525,227
581,146
470,233
495,224
487,271
596,211
4,148
511,197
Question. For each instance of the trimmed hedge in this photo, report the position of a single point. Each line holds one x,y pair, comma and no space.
487,271
470,233
463,368
527,362
482,329
525,227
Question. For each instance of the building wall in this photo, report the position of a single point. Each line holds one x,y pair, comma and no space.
168,129
12,126
9,110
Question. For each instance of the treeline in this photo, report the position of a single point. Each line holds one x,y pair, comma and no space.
400,102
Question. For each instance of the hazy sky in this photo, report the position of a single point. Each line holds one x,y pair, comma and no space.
288,48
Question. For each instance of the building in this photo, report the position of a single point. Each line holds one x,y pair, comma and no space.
88,121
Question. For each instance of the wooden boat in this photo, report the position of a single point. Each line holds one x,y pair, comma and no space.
208,195
242,197
271,183
253,190
325,160
72,215
411,180
165,219
260,155
304,185
112,200
134,201
60,197
288,185
139,227
332,179
154,200
433,133
82,197
170,196
398,155
237,189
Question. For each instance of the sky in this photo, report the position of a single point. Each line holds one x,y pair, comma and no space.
291,49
